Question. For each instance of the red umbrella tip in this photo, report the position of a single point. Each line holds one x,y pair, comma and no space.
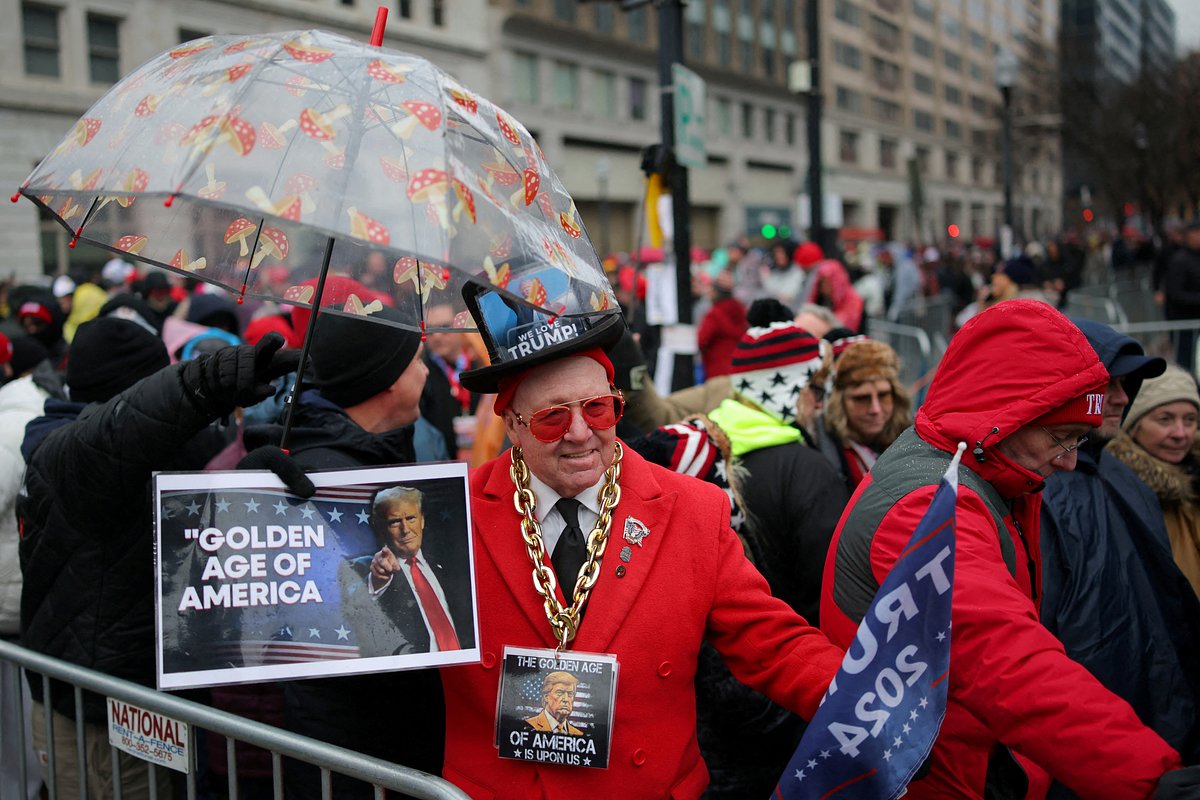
16,196
381,15
241,299
169,201
74,240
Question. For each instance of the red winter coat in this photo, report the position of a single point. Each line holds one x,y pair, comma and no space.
689,580
1011,683
720,331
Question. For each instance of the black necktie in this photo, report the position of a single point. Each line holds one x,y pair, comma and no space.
570,552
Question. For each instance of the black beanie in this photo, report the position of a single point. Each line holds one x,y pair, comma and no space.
355,359
27,353
108,355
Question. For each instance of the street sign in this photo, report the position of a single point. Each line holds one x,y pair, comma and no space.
690,107
831,207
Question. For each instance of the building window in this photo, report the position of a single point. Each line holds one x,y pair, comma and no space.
922,120
724,116
604,17
952,94
769,124
404,9
789,129
886,73
951,26
885,110
953,130
437,12
724,49
847,55
922,155
768,61
977,171
953,61
978,42
636,19
694,28
637,98
848,12
604,94
747,121
889,151
190,34
525,79
848,147
975,70
849,100
39,26
885,34
922,46
979,105
104,52
566,85
922,83
951,166
923,9
981,139
564,10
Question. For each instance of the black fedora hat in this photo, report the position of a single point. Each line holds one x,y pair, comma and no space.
520,336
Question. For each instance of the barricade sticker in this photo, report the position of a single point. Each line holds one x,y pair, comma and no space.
148,735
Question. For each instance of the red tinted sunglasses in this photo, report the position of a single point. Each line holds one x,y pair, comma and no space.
551,423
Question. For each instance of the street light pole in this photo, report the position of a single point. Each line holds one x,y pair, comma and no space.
816,194
1006,76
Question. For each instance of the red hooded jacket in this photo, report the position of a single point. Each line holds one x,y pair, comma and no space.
1011,683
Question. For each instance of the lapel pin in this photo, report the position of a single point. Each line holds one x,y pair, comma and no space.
620,570
635,531
626,553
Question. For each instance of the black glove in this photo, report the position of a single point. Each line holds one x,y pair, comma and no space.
240,376
629,363
283,465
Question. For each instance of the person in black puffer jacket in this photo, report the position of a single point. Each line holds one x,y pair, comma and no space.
369,379
85,514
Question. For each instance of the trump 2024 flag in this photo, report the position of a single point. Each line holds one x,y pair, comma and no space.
882,712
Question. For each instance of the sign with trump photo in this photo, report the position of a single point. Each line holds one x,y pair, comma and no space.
374,572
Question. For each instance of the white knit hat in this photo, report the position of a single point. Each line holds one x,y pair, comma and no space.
1172,386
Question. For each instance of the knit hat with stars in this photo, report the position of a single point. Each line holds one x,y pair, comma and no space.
772,365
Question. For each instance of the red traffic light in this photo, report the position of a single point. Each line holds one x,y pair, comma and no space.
1088,216
953,231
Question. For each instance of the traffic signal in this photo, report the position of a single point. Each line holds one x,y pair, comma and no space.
1088,216
768,231
952,230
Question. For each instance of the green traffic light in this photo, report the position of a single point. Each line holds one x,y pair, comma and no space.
784,231
768,231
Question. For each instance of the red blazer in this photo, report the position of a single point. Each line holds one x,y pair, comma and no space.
689,579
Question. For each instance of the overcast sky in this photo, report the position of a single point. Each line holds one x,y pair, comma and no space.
1187,23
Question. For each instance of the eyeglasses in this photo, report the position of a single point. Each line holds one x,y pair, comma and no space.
1067,449
551,423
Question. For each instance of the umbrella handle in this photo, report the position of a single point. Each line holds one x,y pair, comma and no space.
309,333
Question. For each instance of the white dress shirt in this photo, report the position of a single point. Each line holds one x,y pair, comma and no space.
431,576
552,521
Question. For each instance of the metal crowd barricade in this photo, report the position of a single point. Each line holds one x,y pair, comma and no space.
329,758
915,349
1098,309
1156,337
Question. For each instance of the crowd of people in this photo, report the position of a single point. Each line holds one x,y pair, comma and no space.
769,501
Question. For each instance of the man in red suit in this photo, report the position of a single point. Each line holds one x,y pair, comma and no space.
647,568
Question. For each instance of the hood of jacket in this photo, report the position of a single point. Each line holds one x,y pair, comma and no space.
57,413
749,429
1009,365
1173,484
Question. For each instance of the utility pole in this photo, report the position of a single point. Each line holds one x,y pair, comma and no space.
816,194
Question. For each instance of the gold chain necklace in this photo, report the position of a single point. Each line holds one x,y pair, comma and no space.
564,621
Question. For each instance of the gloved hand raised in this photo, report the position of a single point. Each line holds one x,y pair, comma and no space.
284,466
239,376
